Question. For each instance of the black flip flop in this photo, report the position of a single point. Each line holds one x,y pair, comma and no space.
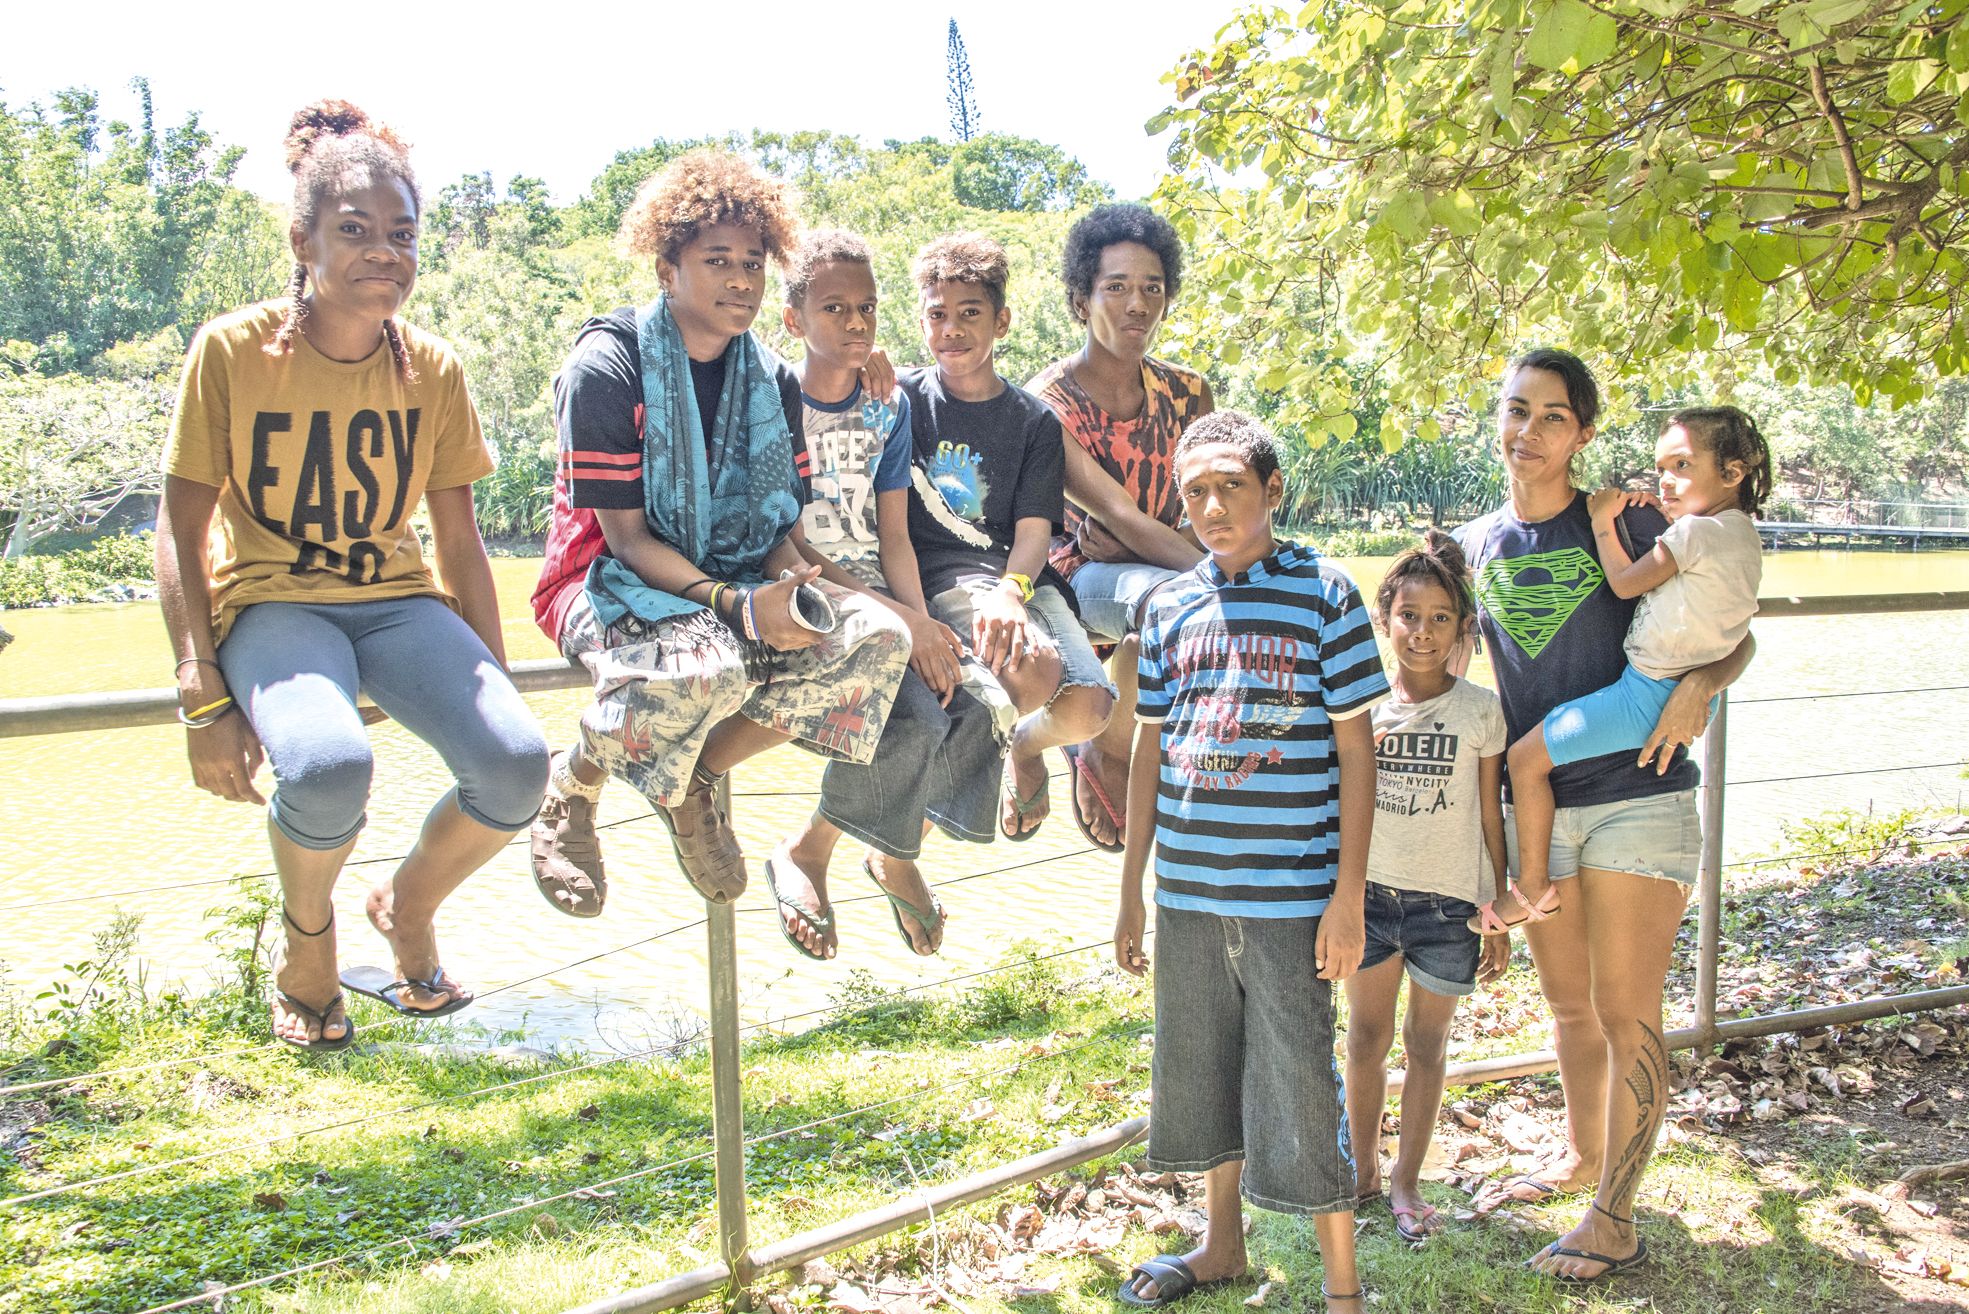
381,986
319,1016
1614,1267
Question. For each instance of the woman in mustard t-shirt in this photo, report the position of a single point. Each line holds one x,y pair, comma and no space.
312,426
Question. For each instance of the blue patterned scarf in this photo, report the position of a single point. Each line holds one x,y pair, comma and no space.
725,510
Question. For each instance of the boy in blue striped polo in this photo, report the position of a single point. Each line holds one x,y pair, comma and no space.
1257,670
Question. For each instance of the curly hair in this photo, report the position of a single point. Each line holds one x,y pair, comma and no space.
821,248
700,189
1247,433
1732,436
333,147
1108,225
1437,560
964,258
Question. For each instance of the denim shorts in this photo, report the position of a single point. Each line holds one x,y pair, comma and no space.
1110,595
1427,933
1079,667
1657,836
1244,1065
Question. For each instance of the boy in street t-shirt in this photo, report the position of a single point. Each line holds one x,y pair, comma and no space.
1258,667
938,758
987,499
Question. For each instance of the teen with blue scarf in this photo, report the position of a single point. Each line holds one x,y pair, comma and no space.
669,570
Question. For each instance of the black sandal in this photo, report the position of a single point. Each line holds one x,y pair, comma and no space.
319,1016
1173,1281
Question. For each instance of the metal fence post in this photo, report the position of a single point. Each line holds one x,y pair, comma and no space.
1709,878
727,1110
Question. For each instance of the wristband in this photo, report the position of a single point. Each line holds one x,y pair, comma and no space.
751,619
716,591
1022,582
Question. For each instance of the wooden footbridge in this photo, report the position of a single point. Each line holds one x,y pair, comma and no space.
1802,533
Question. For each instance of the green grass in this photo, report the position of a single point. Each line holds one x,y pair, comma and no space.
958,1081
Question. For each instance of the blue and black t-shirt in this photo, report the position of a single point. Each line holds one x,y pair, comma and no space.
1246,676
1555,632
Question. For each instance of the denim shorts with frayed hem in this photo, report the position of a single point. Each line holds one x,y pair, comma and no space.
1426,932
1244,1065
1050,612
1111,594
1658,836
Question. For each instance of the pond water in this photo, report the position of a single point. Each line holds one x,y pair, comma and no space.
109,821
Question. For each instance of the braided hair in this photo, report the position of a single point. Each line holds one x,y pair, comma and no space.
1731,435
333,146
1437,560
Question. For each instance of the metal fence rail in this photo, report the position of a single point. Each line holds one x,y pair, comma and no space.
741,1263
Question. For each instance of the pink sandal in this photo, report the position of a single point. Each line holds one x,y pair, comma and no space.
1487,922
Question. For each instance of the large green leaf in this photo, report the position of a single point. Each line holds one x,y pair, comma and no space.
1569,33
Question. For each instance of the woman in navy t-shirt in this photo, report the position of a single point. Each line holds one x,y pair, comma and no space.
1626,843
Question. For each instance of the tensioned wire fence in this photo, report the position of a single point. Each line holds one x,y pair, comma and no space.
739,1262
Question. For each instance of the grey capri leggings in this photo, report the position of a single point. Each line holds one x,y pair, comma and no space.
294,669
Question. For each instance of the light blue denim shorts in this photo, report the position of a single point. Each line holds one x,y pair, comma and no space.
1110,595
1049,610
1658,836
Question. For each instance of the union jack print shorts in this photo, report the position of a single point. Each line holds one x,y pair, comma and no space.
660,686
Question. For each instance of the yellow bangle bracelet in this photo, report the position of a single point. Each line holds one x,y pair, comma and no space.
209,708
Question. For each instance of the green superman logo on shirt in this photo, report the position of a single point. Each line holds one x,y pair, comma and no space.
1531,598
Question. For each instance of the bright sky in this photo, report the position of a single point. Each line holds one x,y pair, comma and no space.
555,89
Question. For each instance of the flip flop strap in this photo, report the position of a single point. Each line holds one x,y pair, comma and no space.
320,1015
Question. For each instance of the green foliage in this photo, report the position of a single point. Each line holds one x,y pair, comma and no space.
1667,187
1027,990
241,936
998,172
119,231
77,576
103,983
1852,837
73,446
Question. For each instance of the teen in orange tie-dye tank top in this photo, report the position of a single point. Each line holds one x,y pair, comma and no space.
1123,411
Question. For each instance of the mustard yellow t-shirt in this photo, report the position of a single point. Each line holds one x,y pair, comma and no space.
319,463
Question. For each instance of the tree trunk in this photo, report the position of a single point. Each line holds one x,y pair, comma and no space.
23,534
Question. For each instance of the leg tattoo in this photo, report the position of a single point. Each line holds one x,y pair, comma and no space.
1649,1084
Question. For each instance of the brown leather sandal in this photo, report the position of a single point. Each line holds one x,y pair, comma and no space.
567,855
706,848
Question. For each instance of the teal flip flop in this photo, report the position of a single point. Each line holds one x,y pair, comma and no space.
898,906
824,924
1021,807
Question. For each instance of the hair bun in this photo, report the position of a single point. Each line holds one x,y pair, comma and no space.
324,118
1446,550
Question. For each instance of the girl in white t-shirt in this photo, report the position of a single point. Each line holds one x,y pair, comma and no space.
1698,591
1437,852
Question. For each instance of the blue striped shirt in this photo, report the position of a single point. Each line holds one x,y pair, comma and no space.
1246,676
